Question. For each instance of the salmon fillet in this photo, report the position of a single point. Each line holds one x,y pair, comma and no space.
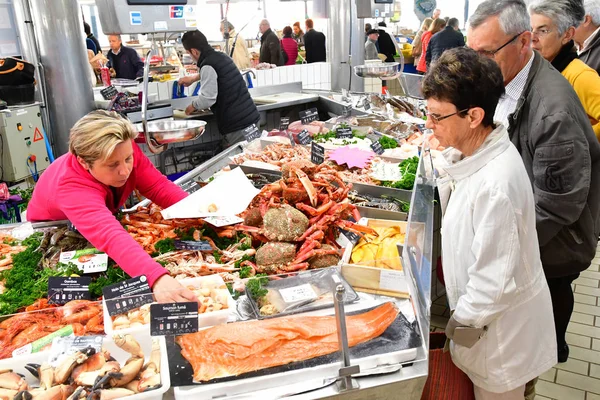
234,349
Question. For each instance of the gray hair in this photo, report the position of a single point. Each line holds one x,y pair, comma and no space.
227,25
592,8
512,15
564,13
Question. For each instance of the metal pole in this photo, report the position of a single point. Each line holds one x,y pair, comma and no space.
64,64
346,383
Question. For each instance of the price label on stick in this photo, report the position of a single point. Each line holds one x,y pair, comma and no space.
304,137
109,93
284,123
317,153
63,347
351,236
173,318
308,116
344,133
377,148
127,295
347,111
251,133
199,245
61,290
366,104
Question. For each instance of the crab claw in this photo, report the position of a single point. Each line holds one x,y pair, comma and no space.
33,369
23,395
79,393
308,186
13,381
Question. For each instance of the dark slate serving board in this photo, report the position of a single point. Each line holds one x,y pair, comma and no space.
401,335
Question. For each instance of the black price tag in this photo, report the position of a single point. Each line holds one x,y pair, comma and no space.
304,137
347,111
127,295
376,146
61,290
344,133
317,153
284,123
366,104
351,236
200,245
109,93
308,116
251,133
173,318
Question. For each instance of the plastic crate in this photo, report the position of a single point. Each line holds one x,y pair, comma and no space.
14,214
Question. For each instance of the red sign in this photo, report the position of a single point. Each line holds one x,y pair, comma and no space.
37,136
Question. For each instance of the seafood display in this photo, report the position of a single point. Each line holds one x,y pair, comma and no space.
296,216
234,349
42,319
384,202
8,247
211,296
134,318
89,374
147,226
380,251
57,240
277,154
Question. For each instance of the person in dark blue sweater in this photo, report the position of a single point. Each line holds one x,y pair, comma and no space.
124,60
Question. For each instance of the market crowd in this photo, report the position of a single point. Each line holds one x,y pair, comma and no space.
518,109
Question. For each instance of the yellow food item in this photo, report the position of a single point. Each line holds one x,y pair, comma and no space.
379,251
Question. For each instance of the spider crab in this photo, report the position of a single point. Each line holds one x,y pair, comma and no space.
298,218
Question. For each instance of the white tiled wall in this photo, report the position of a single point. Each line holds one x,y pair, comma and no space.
372,85
312,76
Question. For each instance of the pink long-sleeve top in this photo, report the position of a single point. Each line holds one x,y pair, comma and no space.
68,191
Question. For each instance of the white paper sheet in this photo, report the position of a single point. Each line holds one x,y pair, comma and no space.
230,193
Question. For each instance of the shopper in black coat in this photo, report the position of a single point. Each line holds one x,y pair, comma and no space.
386,44
448,38
124,60
314,43
270,49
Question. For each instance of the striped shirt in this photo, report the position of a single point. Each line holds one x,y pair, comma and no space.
514,90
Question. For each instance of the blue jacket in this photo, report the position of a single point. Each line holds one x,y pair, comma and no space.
127,63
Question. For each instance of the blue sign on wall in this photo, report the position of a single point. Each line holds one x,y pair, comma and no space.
176,12
135,17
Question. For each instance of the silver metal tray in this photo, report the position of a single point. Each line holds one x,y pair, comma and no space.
165,132
385,70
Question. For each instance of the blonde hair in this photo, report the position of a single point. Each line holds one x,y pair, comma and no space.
437,25
95,136
426,24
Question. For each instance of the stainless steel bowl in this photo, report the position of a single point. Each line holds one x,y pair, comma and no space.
165,132
385,70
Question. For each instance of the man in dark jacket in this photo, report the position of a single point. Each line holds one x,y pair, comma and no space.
385,43
124,60
270,49
314,44
448,38
90,36
587,35
222,88
549,127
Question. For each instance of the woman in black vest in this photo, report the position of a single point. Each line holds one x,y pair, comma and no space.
222,88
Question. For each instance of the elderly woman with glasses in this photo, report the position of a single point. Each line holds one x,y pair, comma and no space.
553,26
501,329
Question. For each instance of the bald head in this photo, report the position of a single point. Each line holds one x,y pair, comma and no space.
264,26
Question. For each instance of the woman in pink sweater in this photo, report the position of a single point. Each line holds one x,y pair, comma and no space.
89,184
289,45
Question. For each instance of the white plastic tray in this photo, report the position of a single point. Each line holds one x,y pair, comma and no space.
204,320
145,341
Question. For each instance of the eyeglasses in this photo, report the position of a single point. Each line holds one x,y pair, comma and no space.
492,53
541,32
437,119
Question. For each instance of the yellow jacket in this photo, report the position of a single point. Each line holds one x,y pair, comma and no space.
586,83
241,56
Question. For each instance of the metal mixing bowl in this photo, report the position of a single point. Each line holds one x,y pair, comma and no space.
164,132
385,70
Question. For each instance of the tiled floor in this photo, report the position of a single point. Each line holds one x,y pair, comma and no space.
579,377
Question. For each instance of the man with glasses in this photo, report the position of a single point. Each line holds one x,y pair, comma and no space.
551,131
